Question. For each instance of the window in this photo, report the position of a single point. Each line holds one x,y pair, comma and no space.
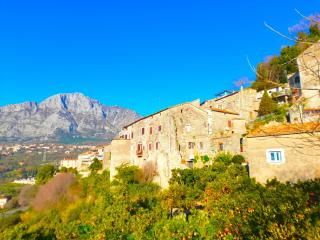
142,131
150,130
139,147
150,146
159,128
191,145
188,127
157,145
229,124
132,135
190,164
201,145
241,144
275,155
221,147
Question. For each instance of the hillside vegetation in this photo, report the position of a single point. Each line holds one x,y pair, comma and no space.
275,70
219,201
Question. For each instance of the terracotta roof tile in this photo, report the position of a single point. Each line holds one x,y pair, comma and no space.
285,129
316,110
223,111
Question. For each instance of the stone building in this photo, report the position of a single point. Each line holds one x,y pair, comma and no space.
309,72
69,163
287,152
244,102
3,201
175,138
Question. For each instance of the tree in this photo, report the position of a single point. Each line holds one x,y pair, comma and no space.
50,193
96,165
45,173
267,105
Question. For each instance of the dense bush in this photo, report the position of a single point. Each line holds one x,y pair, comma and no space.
219,201
96,165
45,173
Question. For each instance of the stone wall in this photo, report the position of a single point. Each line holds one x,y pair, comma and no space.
309,70
174,138
120,154
169,139
243,102
301,157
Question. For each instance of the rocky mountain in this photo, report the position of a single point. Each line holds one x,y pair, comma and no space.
62,116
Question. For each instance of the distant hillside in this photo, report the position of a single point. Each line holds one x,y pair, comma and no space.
63,117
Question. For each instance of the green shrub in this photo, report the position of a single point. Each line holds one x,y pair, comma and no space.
45,173
238,159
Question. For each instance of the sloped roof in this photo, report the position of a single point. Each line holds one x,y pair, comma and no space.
187,103
223,111
285,129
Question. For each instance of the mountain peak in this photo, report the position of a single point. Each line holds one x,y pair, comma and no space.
67,114
70,101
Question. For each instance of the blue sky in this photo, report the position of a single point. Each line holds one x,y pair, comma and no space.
144,55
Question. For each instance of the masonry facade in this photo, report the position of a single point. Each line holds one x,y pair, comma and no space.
309,71
244,102
288,152
175,138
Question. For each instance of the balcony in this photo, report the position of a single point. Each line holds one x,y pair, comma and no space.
139,153
281,93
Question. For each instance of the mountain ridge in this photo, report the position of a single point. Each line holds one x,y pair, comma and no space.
64,115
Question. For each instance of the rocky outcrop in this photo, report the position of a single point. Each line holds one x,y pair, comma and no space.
64,115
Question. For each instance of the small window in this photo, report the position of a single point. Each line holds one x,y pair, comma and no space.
150,146
201,145
142,131
132,135
275,155
190,163
191,145
159,128
188,128
157,145
139,147
229,124
221,147
150,130
241,144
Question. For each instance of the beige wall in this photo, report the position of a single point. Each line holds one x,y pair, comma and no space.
301,152
120,154
309,70
243,102
68,163
106,157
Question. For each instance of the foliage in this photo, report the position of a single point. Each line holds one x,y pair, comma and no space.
10,189
267,105
27,194
96,165
278,115
274,71
238,159
45,173
68,170
219,201
51,193
9,221
127,174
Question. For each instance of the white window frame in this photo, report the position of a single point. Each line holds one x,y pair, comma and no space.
188,127
268,155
